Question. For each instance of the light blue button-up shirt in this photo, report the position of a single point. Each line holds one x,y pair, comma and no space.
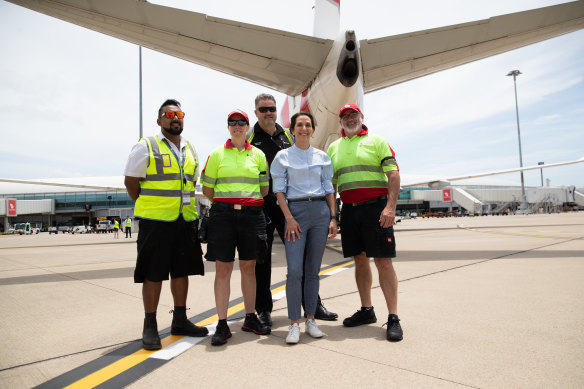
302,173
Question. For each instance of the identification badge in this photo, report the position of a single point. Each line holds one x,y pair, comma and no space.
186,198
166,161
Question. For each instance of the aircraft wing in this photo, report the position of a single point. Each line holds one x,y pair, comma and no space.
279,60
87,183
441,183
395,59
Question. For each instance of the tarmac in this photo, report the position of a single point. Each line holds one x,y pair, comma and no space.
484,302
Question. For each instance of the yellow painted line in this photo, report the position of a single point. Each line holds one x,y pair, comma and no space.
118,367
279,289
336,267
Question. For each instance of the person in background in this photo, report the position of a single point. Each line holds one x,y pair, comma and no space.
128,226
116,228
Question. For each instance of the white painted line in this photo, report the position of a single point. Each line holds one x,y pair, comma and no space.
338,270
177,348
279,295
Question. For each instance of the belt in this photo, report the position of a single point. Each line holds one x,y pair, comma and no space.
306,199
384,197
236,207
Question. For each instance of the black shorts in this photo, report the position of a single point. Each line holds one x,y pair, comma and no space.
229,229
360,231
168,248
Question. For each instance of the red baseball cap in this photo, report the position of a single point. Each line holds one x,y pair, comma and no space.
347,107
238,112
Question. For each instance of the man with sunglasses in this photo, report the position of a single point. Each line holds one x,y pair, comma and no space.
367,179
161,173
270,137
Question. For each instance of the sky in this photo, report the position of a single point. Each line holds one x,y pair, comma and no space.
69,96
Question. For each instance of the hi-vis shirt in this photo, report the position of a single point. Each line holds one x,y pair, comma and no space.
236,176
360,164
168,182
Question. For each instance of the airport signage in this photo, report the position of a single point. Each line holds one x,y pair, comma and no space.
446,195
11,207
102,218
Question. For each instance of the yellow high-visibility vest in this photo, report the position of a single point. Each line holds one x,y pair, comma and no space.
236,176
162,189
360,163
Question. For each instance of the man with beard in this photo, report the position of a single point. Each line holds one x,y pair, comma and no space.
367,179
270,137
161,173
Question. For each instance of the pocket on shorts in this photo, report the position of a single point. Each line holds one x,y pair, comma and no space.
384,235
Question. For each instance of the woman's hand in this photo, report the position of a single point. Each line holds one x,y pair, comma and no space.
333,228
292,230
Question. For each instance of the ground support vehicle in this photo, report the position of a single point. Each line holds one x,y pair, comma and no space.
25,229
104,226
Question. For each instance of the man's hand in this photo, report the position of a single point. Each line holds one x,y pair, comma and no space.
387,217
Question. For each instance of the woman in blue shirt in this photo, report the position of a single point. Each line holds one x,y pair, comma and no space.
302,183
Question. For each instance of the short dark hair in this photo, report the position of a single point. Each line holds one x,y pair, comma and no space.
301,113
264,96
166,103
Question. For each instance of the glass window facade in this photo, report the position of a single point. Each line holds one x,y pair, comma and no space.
76,200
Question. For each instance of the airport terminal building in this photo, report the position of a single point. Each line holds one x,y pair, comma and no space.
54,206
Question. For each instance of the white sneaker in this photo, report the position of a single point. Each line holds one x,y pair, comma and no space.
293,334
312,329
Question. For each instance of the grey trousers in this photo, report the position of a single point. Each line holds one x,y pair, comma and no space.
314,219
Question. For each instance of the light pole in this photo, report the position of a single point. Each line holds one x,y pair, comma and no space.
541,172
140,86
515,73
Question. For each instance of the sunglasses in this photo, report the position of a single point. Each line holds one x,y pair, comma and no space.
232,123
266,109
172,114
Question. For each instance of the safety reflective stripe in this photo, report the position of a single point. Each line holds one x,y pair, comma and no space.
156,153
286,132
238,194
163,177
288,136
264,178
358,168
209,180
362,184
192,150
388,161
189,177
163,192
236,180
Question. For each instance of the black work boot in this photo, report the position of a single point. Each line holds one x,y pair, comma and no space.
362,316
253,324
322,313
265,318
183,326
150,338
394,330
222,333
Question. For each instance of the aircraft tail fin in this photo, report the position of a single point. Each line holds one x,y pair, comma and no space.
327,15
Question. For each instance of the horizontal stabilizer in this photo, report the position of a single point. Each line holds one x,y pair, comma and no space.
395,59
